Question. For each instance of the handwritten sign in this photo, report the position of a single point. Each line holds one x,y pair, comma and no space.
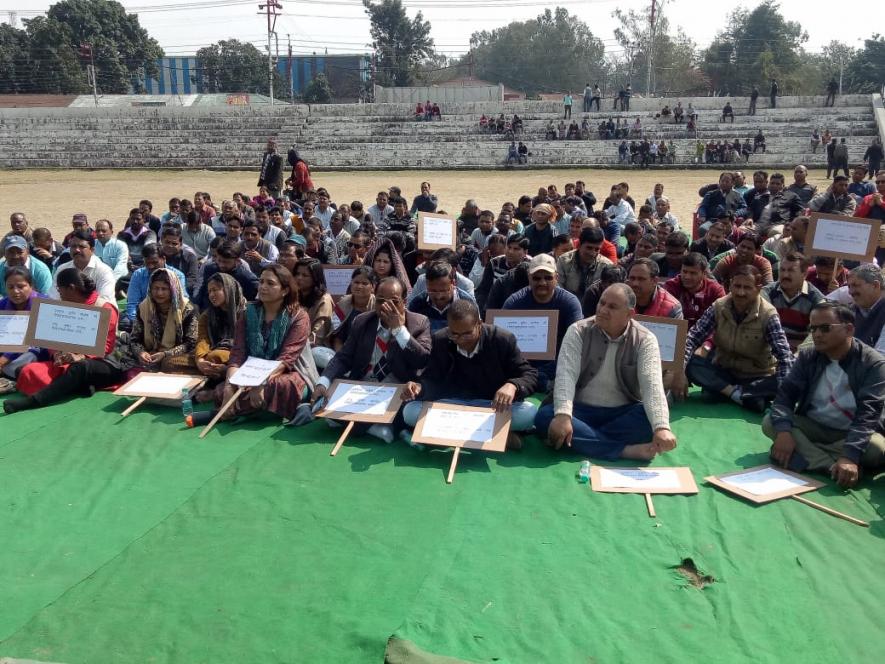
436,231
159,385
763,484
851,238
670,333
452,425
68,326
338,279
535,331
362,401
13,328
643,480
254,372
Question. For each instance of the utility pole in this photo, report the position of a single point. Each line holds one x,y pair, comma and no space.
270,9
649,57
841,68
86,55
289,71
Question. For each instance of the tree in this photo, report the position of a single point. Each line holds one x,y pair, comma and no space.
866,70
757,45
15,70
400,43
556,52
52,56
235,66
122,49
318,90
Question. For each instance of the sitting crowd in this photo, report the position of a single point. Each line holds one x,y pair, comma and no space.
204,287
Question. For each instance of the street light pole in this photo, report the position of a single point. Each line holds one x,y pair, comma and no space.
270,10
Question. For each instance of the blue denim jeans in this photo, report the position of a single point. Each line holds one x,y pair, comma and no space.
602,432
522,413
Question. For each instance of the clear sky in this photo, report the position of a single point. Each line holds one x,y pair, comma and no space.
183,26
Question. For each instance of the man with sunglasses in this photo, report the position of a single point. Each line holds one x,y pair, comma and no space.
542,294
475,364
828,412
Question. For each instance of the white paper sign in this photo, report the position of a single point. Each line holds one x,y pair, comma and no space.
842,236
361,399
338,280
152,384
764,482
666,336
69,325
530,332
441,422
437,231
254,372
642,479
13,329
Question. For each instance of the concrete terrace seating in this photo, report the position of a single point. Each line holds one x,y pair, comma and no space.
386,136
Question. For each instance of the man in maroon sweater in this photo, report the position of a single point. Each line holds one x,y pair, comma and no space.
695,290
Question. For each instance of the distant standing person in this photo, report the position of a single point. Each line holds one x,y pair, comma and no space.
597,96
299,181
832,89
754,97
873,156
588,97
772,93
840,158
567,105
271,170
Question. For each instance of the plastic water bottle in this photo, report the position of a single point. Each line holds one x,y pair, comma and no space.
187,406
584,472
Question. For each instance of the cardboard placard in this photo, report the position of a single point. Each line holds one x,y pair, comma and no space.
338,279
461,427
68,326
852,238
13,329
437,231
535,331
675,480
159,385
670,333
763,484
362,401
254,372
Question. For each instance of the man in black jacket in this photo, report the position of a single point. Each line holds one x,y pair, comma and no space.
227,259
474,364
271,175
828,413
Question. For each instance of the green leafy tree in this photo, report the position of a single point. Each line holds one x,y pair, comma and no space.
555,52
235,66
865,72
15,69
52,56
318,91
400,43
122,49
758,45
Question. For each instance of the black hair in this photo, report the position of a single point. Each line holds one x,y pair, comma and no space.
84,235
753,237
72,277
439,269
151,250
520,239
677,240
842,312
19,271
319,280
463,310
228,249
653,268
695,259
170,230
367,272
591,235
560,240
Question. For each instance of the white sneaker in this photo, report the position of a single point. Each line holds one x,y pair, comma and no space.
382,431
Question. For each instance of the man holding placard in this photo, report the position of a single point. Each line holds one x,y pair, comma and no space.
608,399
473,364
828,413
388,344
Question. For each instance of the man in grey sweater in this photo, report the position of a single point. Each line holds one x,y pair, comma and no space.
608,398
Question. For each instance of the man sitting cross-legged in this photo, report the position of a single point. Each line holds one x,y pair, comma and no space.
608,398
828,413
474,364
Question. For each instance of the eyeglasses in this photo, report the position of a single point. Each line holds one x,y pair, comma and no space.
825,328
382,300
354,245
455,336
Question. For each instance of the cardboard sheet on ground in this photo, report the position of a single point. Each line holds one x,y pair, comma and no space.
361,401
853,238
643,480
670,333
159,385
535,331
68,326
254,372
437,231
338,279
763,484
13,328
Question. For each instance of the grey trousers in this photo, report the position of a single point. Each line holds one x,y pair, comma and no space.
821,446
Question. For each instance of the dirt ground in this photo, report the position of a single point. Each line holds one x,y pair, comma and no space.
50,198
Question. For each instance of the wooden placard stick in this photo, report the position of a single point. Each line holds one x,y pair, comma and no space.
341,439
451,476
831,512
131,408
221,412
650,505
